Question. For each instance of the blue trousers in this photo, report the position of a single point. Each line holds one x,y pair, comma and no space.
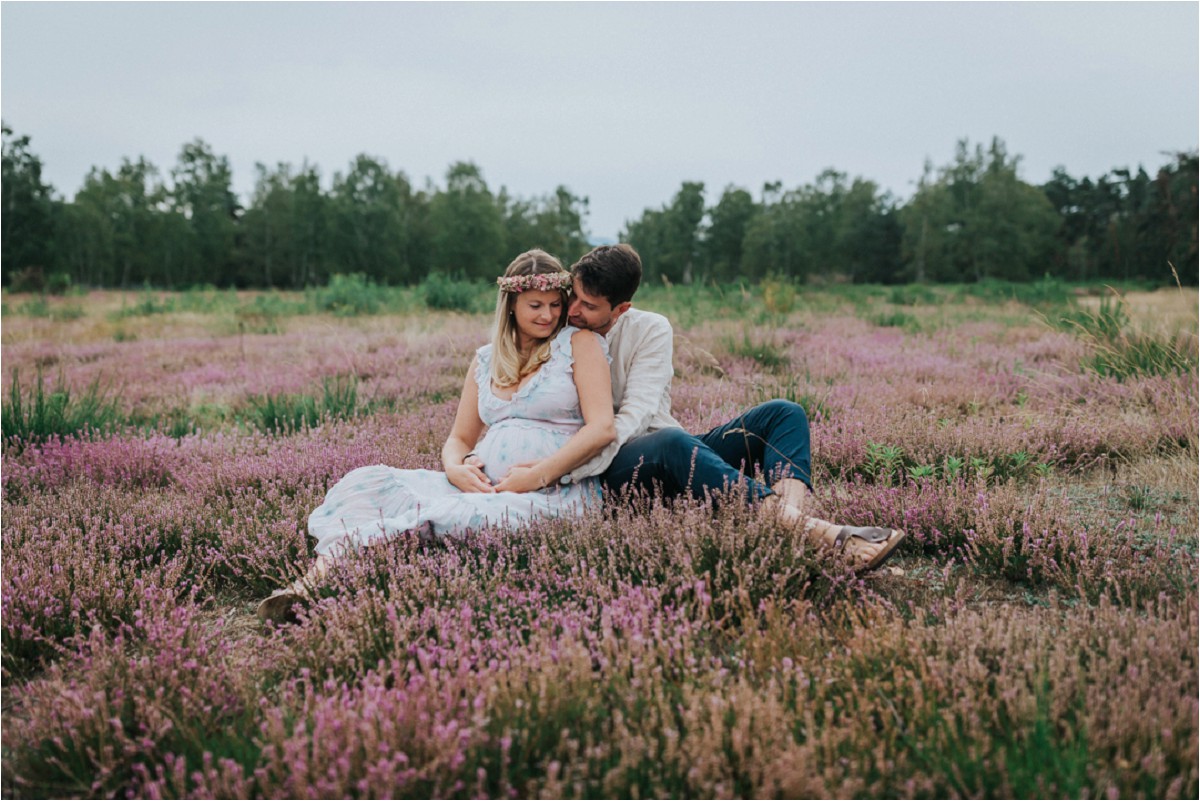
772,438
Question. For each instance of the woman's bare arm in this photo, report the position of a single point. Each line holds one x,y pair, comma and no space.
463,437
594,384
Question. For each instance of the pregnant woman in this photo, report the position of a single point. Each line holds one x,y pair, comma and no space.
543,392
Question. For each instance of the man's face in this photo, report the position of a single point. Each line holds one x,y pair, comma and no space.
593,312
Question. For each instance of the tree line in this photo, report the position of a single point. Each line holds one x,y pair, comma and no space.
136,226
969,220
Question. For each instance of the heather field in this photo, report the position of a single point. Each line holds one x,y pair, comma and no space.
1036,635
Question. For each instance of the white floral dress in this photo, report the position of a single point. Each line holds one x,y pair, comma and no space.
373,503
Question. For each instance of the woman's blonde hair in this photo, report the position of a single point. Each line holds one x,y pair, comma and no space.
508,364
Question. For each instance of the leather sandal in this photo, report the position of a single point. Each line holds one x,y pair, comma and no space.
891,536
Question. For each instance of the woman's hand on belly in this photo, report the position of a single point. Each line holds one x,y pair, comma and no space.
468,478
523,477
513,443
486,472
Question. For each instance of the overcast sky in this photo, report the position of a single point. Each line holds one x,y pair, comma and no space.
619,102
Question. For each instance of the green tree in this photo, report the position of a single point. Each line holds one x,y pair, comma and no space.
372,223
728,221
832,228
202,192
686,213
1175,215
84,243
1068,197
1014,224
649,235
286,231
419,220
561,224
309,228
266,228
776,240
553,223
1127,224
868,234
116,223
520,222
467,223
669,239
28,218
978,220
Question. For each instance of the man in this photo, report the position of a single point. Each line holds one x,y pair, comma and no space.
653,452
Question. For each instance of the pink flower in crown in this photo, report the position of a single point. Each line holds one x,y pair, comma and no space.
540,282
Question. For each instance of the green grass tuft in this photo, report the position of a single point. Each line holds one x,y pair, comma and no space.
1120,352
149,303
769,353
897,319
33,415
288,413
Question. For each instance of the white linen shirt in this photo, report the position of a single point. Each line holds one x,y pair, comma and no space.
640,346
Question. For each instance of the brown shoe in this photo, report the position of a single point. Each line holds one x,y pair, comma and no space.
891,536
279,606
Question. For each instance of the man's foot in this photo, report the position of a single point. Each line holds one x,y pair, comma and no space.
424,533
279,606
871,546
865,548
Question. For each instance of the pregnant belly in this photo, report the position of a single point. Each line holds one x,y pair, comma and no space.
512,442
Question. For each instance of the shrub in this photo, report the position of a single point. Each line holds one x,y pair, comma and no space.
39,307
1046,292
58,283
1105,323
348,295
913,295
443,293
30,279
885,463
35,307
1139,354
148,303
206,298
779,295
66,312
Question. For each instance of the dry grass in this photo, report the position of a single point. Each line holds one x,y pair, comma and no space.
1163,312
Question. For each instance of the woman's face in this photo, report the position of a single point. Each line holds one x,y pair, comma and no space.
537,314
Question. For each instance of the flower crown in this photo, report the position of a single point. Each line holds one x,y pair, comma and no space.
540,282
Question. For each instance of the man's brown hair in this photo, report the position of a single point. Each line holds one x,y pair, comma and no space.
611,271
